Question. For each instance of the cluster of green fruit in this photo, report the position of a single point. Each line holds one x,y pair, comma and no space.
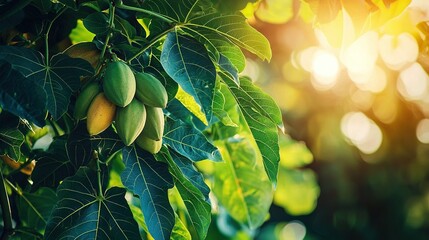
133,102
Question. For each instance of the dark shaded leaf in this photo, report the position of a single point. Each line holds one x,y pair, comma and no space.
82,213
59,79
35,208
21,96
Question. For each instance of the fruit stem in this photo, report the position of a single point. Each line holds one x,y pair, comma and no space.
111,21
153,41
6,210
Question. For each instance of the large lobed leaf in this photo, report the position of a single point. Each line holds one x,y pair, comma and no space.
192,188
233,28
21,96
240,183
263,117
82,213
60,78
189,141
187,62
10,143
150,180
177,11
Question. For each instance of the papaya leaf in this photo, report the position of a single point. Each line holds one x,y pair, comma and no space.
178,111
263,117
226,65
82,213
150,180
224,106
240,183
97,23
233,28
35,208
59,79
53,166
187,62
10,143
218,45
192,188
21,96
177,11
189,141
180,232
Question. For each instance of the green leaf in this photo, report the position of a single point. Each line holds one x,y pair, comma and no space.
97,23
228,67
21,96
53,165
262,116
10,143
126,29
187,62
189,141
59,79
35,208
233,28
150,180
240,183
192,188
178,111
224,106
180,232
177,11
82,213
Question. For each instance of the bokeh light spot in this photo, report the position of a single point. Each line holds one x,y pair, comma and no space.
413,82
422,131
361,132
398,51
294,230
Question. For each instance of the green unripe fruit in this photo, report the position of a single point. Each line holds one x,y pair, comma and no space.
84,100
119,83
130,121
150,90
154,127
148,144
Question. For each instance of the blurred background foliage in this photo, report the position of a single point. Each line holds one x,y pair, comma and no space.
351,78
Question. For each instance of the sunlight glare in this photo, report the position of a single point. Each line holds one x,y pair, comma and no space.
413,82
360,57
361,132
325,68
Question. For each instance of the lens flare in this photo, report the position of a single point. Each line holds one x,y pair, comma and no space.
413,82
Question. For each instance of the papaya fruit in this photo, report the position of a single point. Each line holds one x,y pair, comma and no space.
130,121
101,113
84,100
119,83
27,170
148,144
150,90
154,127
